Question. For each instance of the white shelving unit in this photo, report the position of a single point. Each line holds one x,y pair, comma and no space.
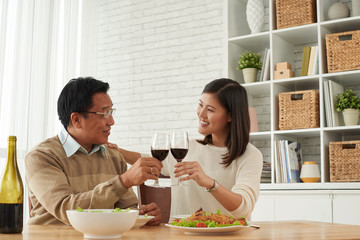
286,45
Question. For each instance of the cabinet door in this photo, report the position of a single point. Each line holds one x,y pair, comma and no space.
304,205
346,207
264,209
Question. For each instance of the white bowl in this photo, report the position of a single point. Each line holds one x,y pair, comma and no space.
102,223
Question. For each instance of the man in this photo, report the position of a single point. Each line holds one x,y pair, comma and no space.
75,168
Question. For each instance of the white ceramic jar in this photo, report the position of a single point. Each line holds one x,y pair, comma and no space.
310,172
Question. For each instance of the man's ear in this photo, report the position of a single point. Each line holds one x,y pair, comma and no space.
76,119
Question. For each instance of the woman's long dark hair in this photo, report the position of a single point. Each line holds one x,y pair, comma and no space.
233,97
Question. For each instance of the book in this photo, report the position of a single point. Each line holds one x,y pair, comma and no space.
312,60
284,175
327,104
263,60
334,90
277,163
287,161
253,120
305,61
316,62
293,162
266,75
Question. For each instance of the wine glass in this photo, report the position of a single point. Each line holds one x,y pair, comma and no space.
179,147
160,149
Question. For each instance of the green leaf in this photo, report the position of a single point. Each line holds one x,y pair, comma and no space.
249,60
347,99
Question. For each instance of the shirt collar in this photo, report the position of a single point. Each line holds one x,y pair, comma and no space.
71,146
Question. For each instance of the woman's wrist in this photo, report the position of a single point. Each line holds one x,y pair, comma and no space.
213,187
210,183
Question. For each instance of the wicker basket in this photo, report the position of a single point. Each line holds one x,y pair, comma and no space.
343,51
299,109
345,161
290,13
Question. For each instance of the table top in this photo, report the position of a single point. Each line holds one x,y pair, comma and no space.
268,230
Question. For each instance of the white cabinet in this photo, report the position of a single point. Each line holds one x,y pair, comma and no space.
346,207
338,206
303,205
286,45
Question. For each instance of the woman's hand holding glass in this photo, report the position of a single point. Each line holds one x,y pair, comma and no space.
193,171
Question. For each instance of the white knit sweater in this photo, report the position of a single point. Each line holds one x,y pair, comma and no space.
242,176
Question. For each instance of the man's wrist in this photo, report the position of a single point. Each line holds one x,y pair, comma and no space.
124,181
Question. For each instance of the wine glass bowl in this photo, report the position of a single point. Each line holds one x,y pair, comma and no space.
179,153
160,149
179,147
160,154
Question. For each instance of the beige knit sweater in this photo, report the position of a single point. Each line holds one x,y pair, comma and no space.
58,183
242,177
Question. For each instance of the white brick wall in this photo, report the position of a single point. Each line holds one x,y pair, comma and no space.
157,57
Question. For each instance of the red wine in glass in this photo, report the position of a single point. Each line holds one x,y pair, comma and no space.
160,146
160,154
179,147
179,153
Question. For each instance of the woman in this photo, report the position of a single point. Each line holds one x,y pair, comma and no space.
224,166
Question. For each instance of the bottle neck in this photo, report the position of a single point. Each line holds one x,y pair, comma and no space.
11,164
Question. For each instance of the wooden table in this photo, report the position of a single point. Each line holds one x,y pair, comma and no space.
269,230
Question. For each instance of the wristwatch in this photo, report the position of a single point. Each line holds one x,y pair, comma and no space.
216,185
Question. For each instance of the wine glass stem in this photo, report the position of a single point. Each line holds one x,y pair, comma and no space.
156,183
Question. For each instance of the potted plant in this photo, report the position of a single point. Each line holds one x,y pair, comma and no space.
250,64
349,104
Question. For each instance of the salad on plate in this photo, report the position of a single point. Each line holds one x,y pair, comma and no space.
202,219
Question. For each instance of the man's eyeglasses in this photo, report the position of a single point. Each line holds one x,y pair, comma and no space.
106,114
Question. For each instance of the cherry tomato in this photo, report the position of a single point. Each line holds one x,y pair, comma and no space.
201,225
175,220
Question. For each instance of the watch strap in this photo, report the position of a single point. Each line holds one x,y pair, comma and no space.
216,185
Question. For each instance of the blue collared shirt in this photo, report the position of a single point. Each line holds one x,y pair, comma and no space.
71,146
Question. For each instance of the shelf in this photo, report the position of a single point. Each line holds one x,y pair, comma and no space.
298,35
286,45
254,42
342,24
309,132
258,136
298,83
258,88
349,78
310,186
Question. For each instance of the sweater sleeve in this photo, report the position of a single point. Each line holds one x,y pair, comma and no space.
248,181
50,187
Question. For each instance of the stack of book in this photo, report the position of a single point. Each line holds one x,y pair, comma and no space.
331,90
310,61
266,173
287,161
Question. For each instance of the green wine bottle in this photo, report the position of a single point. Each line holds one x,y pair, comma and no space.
11,194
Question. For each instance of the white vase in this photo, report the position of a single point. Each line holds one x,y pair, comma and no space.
255,15
249,74
351,116
356,7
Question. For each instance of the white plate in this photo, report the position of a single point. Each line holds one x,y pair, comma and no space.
208,231
178,217
142,220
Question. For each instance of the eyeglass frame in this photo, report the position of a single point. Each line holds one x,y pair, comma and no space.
110,111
